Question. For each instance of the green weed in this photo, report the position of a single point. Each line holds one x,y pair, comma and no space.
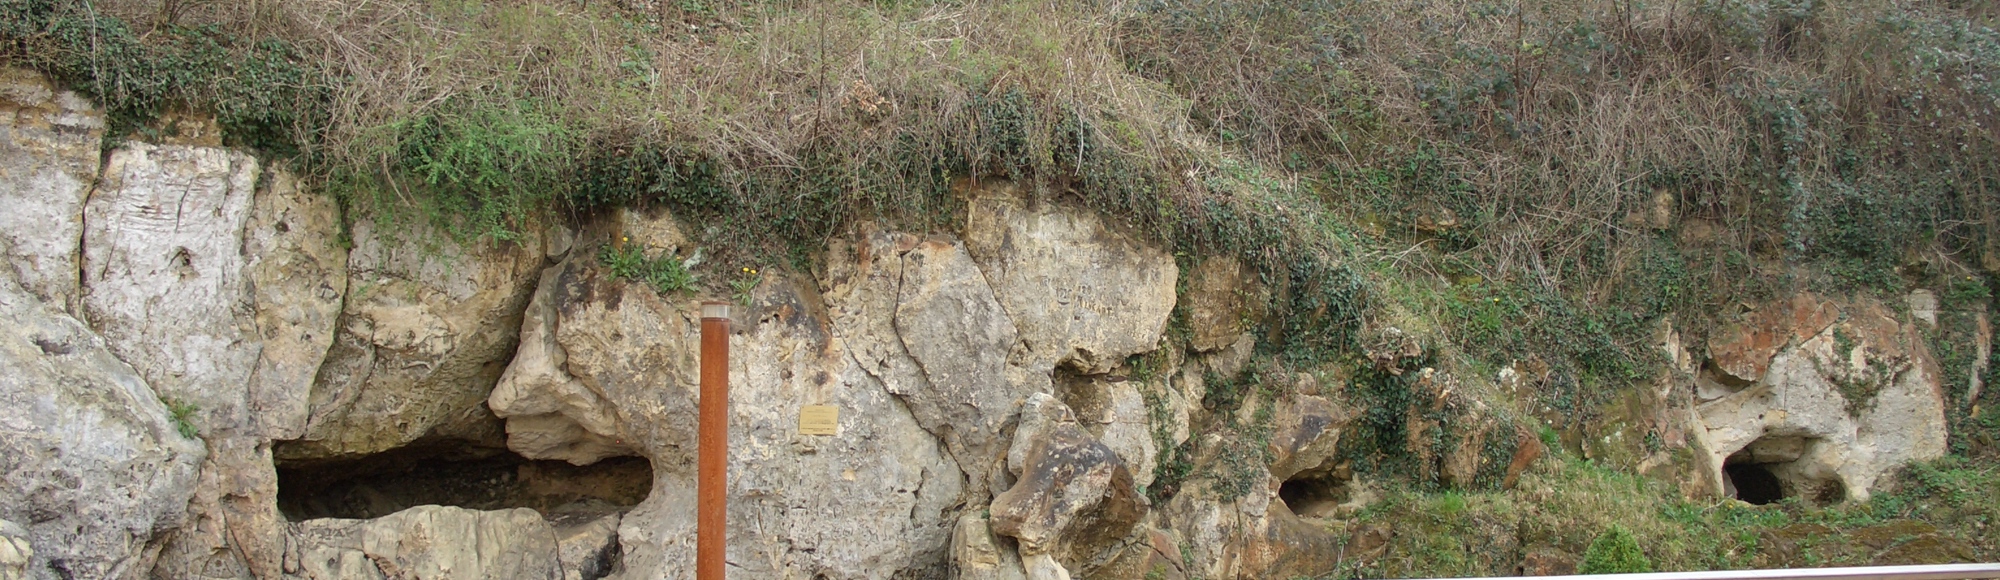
182,414
666,274
741,286
1615,552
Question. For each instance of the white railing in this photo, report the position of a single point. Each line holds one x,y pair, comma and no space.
1938,572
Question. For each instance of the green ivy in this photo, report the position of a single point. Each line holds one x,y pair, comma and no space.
264,92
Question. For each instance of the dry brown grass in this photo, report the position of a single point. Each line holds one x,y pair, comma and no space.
757,85
1564,117
1550,129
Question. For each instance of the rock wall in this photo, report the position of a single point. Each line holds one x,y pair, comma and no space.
186,325
96,470
1828,395
49,157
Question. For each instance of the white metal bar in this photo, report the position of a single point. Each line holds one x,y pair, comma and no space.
1934,572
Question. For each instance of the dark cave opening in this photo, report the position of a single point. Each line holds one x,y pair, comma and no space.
1779,467
1316,495
483,479
1754,483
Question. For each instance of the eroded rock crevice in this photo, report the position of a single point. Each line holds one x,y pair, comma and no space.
377,485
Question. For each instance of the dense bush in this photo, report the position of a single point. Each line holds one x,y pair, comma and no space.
1614,552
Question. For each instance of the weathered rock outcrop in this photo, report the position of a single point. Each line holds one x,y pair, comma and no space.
49,141
223,293
426,332
1219,302
1073,498
958,334
15,551
1010,404
164,273
1079,292
428,543
298,277
94,466
589,549
977,554
608,366
1827,396
1235,524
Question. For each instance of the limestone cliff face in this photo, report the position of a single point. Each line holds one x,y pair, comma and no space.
1828,396
198,379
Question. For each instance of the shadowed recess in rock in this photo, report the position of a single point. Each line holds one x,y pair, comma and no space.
1314,495
1755,483
1776,468
481,479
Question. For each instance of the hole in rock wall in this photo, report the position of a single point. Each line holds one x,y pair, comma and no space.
1314,495
473,478
1085,395
1775,468
1754,483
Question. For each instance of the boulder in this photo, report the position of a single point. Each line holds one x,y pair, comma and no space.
96,468
1113,410
49,156
1073,499
428,543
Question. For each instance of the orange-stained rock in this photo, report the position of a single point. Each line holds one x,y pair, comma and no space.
1743,350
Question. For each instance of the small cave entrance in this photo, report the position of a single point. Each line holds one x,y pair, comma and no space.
1754,483
454,475
1773,469
1316,493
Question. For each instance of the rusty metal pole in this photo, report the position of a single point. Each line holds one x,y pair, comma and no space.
712,461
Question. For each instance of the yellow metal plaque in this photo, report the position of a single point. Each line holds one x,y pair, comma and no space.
819,420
